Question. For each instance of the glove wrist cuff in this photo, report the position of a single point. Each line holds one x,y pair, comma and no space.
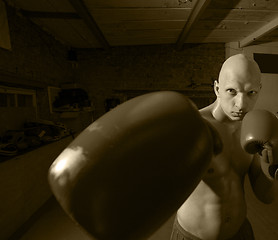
271,171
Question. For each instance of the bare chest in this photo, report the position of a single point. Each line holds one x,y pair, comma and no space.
233,159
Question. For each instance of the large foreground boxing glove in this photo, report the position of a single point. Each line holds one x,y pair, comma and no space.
259,134
131,169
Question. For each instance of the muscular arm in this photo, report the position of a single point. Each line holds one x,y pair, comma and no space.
259,137
265,188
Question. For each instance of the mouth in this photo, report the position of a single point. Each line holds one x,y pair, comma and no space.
238,114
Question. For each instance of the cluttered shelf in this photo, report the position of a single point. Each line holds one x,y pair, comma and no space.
31,136
70,105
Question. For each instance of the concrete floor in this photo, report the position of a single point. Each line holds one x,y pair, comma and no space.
55,225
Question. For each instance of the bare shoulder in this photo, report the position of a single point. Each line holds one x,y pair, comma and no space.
206,112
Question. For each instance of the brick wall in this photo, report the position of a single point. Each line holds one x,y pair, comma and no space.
36,60
123,72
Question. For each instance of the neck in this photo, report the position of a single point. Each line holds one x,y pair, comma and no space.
219,115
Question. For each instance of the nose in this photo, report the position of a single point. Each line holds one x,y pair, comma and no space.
241,102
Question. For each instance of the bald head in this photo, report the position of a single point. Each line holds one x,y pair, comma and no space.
240,65
237,88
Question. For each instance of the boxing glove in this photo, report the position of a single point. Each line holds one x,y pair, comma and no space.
259,134
132,168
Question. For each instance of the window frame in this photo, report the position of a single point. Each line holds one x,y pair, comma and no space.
20,91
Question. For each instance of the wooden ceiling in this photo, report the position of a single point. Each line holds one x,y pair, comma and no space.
106,23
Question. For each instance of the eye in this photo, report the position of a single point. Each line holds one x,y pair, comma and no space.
252,93
231,91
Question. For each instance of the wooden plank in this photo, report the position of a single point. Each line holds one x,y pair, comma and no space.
228,25
259,33
43,5
219,33
90,22
220,4
239,14
195,14
267,40
245,4
138,3
151,33
271,39
58,15
271,35
140,25
207,40
192,39
72,33
204,36
139,14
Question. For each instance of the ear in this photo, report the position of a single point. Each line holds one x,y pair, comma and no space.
216,87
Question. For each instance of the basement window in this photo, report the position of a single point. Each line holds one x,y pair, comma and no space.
7,100
17,97
17,105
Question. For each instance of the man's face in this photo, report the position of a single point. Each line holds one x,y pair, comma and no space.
237,94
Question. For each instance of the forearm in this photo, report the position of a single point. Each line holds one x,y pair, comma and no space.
264,186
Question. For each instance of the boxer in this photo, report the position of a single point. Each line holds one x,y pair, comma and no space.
216,209
130,170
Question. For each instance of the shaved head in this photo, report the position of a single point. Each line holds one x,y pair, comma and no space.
237,88
240,65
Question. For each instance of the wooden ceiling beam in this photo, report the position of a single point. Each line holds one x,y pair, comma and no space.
267,28
195,14
83,12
